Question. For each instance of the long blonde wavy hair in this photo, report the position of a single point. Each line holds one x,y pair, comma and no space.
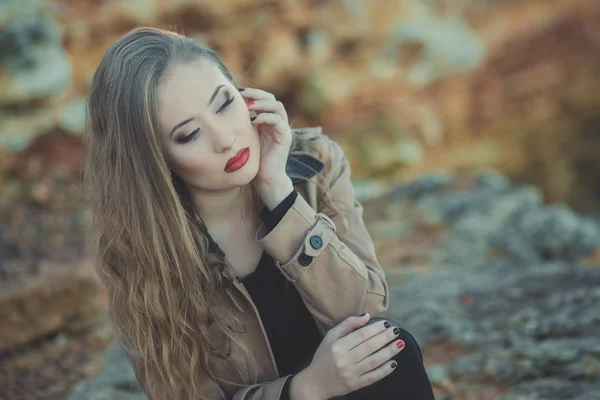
147,241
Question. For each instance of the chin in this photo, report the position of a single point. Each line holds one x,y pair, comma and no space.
243,176
251,172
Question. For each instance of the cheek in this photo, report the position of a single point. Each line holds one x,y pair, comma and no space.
241,109
240,117
190,164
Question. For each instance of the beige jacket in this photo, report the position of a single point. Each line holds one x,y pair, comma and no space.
342,278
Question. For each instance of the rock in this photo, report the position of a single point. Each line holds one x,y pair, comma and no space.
55,155
50,306
479,118
283,58
34,69
528,312
546,389
386,29
490,179
12,9
399,152
319,45
342,64
409,152
47,367
46,303
72,116
430,183
107,394
549,233
466,210
116,382
19,130
438,374
447,43
368,190
33,65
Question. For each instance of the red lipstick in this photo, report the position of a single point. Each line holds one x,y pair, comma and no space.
238,161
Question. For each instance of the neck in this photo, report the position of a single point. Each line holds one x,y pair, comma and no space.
223,207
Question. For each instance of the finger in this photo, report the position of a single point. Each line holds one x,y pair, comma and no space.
363,334
378,358
376,375
272,106
348,326
257,94
273,119
374,343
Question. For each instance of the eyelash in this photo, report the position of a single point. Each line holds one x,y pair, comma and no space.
195,132
191,136
225,105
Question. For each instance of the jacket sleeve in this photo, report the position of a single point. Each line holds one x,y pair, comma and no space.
335,270
262,391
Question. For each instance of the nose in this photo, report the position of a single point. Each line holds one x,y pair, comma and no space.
224,142
222,138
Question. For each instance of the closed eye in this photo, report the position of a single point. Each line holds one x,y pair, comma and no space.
190,137
225,105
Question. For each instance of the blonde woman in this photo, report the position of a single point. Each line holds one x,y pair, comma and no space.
234,252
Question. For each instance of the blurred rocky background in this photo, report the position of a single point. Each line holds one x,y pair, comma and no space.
473,129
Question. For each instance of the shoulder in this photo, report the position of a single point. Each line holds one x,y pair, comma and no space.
315,150
314,133
315,142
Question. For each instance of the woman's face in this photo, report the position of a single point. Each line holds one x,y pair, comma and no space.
204,122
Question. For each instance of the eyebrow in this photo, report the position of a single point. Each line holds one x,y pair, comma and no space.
182,123
215,93
179,125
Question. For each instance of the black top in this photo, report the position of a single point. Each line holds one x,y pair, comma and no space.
292,332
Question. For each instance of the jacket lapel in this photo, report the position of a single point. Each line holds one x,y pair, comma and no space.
301,167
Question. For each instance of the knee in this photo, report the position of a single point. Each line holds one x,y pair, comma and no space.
410,344
411,347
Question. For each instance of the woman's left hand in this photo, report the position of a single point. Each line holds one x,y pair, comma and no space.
274,131
275,142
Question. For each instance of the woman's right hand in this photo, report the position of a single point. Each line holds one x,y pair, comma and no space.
350,357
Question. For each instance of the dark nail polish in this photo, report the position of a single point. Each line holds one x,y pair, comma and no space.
241,89
396,331
394,364
362,315
386,324
253,118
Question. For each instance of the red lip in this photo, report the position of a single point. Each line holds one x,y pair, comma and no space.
238,161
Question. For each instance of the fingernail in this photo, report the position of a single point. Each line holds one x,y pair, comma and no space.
396,331
386,324
400,344
394,364
241,89
253,118
362,315
249,103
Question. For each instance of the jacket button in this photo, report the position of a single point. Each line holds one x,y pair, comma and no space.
316,242
304,260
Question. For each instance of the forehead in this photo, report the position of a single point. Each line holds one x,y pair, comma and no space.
184,89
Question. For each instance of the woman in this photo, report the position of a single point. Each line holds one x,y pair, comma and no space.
233,249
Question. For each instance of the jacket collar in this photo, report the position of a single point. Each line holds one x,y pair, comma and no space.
301,167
